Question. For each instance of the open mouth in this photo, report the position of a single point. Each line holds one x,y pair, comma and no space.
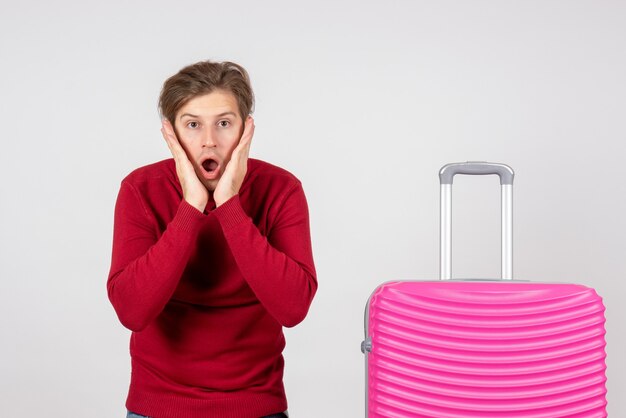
210,165
210,169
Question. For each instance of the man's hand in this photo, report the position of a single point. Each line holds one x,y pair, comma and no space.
194,192
230,182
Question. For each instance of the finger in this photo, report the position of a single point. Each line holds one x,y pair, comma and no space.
167,125
170,144
248,131
169,130
171,139
167,140
243,146
179,155
242,151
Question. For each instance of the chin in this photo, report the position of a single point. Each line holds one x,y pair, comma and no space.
210,184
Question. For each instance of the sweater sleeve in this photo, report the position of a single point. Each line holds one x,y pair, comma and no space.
145,270
279,269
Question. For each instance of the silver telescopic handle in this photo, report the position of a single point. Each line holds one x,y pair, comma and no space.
446,176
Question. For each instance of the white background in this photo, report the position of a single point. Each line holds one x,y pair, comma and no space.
364,102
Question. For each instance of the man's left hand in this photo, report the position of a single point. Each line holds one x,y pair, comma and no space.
235,171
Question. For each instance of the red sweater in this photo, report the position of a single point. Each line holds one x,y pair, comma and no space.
207,294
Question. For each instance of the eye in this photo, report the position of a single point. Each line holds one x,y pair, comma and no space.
224,123
192,124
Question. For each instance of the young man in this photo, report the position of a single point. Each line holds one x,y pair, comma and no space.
211,258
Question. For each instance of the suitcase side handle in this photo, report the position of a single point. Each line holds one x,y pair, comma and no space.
446,176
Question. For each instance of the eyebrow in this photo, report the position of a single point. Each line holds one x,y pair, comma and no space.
198,117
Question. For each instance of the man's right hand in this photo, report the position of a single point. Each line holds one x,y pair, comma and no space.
194,192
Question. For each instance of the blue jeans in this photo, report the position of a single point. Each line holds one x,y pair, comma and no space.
133,415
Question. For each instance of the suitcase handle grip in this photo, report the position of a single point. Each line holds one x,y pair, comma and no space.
447,172
446,175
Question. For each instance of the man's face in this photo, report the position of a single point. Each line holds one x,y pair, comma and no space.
208,128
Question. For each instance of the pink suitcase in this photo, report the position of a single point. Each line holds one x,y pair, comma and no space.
484,348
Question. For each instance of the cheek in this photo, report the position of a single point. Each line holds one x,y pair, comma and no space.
189,143
229,141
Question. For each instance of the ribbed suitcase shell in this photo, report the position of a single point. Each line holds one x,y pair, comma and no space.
481,349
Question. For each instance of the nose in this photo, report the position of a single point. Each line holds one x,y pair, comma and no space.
208,140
